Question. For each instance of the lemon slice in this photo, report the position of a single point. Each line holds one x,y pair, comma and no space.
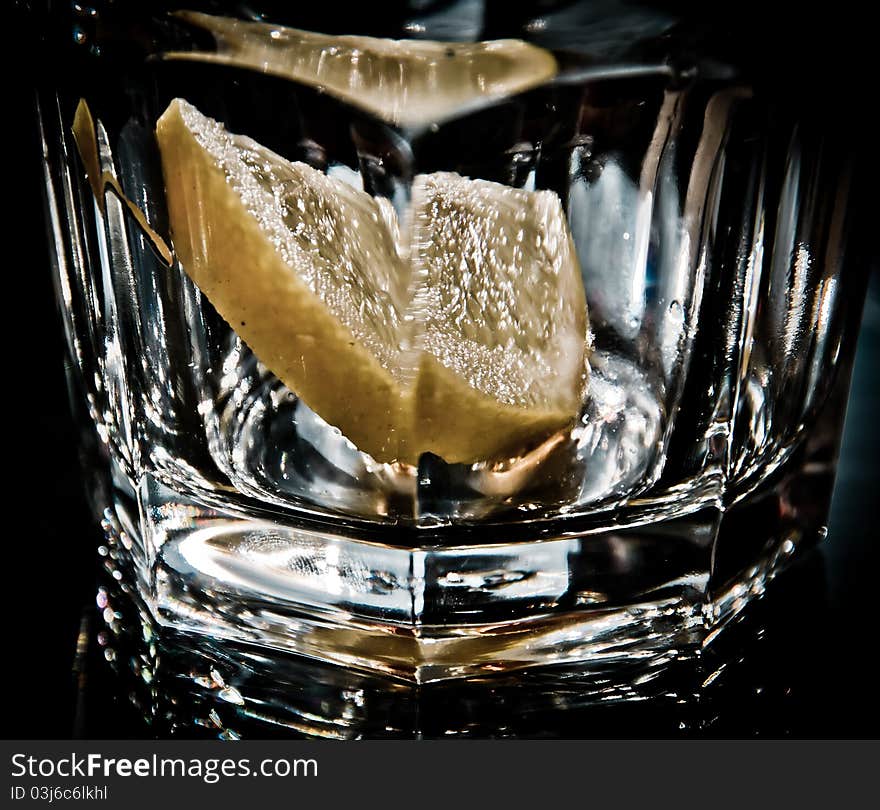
406,82
499,305
300,265
467,339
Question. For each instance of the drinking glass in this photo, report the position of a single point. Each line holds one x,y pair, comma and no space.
695,228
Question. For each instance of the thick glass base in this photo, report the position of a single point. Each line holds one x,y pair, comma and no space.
750,680
221,626
636,596
669,660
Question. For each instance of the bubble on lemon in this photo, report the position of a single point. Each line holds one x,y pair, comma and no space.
464,335
406,82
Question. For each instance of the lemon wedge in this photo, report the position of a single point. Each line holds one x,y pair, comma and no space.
464,336
405,82
299,264
498,304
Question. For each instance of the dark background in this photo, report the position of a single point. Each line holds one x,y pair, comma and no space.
814,675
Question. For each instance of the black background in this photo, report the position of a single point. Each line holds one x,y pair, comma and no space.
816,676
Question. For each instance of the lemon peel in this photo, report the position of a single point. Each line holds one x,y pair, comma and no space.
406,82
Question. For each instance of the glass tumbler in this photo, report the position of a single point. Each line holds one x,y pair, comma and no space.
446,339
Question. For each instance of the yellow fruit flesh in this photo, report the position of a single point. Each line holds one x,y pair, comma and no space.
226,253
499,307
316,287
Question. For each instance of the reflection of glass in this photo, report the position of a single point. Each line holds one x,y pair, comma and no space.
754,680
710,230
